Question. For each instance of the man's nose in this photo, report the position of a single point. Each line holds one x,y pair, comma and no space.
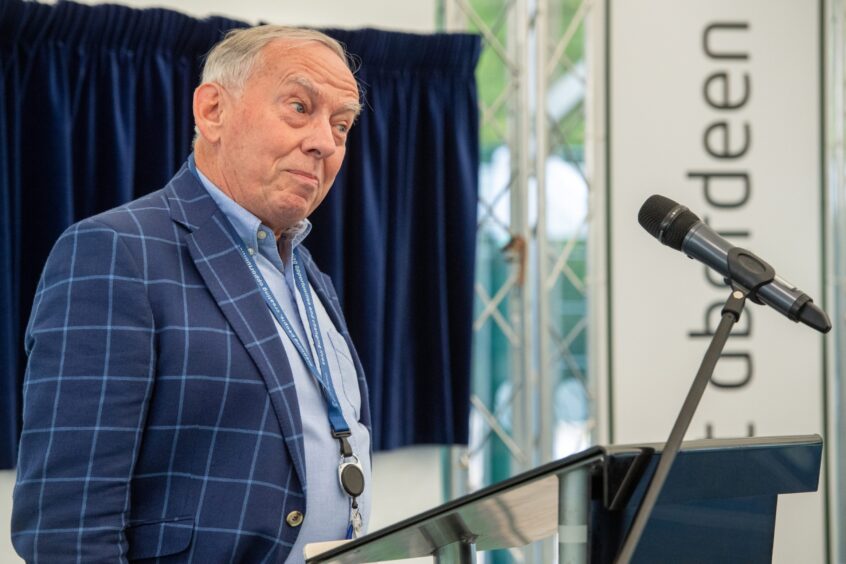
321,140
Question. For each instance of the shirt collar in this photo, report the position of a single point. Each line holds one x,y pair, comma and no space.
246,224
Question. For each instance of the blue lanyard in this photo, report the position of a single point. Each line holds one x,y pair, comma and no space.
322,375
350,475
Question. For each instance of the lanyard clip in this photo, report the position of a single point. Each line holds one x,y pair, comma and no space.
346,449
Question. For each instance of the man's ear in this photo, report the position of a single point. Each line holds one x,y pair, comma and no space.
208,110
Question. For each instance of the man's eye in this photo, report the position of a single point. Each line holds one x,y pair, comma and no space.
342,128
298,107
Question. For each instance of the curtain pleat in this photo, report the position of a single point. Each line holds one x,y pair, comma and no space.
96,111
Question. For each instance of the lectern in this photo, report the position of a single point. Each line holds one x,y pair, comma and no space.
718,506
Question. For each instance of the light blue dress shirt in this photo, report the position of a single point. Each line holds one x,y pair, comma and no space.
327,509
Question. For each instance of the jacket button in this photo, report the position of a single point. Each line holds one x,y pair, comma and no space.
294,518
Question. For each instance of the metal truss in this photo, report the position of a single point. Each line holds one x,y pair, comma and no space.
538,111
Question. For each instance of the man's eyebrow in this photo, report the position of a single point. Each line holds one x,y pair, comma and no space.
307,84
352,106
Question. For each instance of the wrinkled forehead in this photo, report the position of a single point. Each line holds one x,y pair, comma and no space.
311,65
311,53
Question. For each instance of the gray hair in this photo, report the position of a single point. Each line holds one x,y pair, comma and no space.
231,61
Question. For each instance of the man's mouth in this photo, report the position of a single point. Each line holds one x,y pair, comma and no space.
308,177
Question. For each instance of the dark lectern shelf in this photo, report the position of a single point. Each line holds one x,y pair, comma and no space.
718,505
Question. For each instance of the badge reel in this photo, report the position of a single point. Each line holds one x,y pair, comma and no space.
351,476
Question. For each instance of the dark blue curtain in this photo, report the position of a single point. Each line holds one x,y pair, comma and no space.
398,231
96,110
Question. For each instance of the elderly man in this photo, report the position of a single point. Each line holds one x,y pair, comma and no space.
192,393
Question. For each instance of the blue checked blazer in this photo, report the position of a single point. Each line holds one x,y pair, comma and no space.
160,416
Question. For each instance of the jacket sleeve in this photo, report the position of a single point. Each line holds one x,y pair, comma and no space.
91,347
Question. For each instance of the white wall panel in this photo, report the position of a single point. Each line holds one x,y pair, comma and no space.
660,115
417,16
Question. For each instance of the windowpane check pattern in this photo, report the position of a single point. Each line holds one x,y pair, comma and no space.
188,421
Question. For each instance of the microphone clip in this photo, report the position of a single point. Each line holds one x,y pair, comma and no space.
748,272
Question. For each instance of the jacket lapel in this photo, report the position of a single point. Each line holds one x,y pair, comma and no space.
236,293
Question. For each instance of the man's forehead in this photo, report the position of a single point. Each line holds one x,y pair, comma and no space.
309,52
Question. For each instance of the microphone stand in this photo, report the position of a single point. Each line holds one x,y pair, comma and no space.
745,271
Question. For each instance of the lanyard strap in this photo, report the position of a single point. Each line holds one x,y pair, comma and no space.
321,374
350,474
340,429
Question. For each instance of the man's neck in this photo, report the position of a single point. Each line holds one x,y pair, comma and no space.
207,163
285,237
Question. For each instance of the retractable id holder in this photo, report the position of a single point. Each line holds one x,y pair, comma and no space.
350,474
351,477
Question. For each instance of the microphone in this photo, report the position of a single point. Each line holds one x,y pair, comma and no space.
677,227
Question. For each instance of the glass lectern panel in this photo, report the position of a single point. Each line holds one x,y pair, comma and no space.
513,513
718,505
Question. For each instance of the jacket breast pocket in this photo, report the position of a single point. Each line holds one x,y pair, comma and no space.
159,538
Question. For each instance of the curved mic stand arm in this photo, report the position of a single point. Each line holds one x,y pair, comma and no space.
730,315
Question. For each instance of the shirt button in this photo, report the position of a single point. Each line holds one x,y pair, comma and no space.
294,518
262,234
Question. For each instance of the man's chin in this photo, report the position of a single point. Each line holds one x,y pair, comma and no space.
290,212
289,221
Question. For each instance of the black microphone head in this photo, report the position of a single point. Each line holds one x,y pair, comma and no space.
666,220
